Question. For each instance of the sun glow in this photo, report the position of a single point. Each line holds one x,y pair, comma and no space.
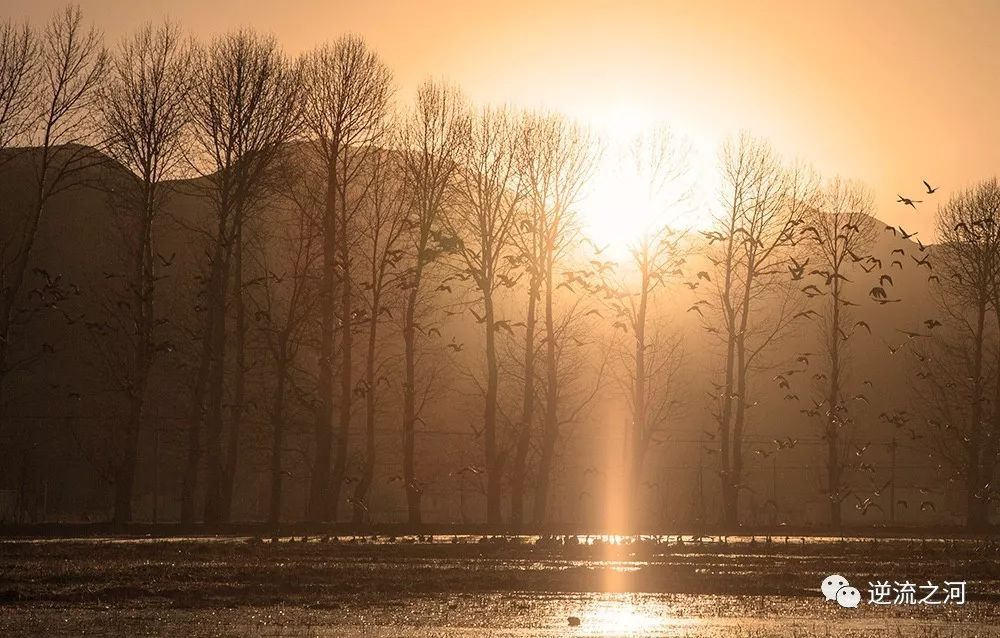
619,212
648,177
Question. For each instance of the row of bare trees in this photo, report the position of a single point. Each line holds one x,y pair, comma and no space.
323,210
328,234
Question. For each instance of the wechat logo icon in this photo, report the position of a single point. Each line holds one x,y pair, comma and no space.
837,588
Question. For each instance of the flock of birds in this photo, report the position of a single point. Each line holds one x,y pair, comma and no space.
798,270
596,281
593,280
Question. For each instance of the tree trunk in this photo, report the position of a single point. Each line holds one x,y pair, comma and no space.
319,487
520,465
278,433
976,512
239,393
493,466
142,300
218,294
550,428
637,447
346,378
189,483
726,417
833,405
361,513
197,417
732,519
125,472
413,491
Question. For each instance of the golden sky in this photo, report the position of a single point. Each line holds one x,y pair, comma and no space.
887,92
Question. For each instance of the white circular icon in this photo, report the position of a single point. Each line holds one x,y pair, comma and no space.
832,584
848,597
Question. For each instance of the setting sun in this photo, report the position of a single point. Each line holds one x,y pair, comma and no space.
648,178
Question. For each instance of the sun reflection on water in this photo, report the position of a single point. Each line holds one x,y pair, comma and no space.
630,616
622,619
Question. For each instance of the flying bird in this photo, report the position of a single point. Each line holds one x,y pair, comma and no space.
906,201
798,268
930,190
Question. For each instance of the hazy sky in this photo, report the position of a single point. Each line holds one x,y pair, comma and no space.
887,92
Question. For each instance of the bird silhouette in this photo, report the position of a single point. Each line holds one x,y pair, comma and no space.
930,190
797,270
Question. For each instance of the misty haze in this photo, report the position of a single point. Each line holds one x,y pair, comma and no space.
444,319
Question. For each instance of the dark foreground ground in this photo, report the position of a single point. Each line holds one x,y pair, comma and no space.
481,586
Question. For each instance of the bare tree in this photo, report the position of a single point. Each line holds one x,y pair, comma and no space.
841,230
348,89
968,264
430,136
66,65
762,204
654,170
244,107
289,261
557,159
580,366
143,117
530,242
384,224
482,222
